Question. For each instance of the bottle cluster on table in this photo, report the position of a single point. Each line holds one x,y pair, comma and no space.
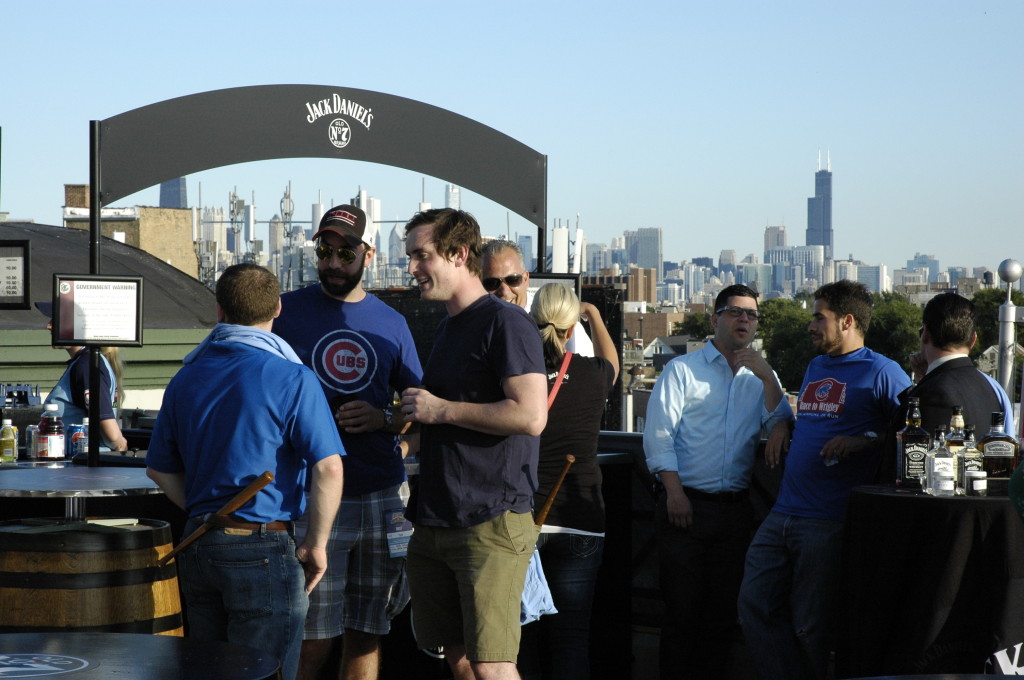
952,462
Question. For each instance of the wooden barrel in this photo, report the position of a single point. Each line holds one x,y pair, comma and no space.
87,578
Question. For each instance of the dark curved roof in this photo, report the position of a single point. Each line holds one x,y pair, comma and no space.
170,298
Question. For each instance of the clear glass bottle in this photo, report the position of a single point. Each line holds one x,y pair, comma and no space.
941,467
955,438
912,444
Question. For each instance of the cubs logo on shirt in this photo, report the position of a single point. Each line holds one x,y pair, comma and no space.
827,396
344,360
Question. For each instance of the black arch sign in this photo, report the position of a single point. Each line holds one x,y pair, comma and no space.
143,147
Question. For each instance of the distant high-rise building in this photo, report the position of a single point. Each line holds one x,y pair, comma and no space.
812,259
529,256
727,262
819,210
648,253
396,246
452,197
173,194
928,262
875,277
708,262
774,237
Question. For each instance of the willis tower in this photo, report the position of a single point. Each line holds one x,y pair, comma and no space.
819,209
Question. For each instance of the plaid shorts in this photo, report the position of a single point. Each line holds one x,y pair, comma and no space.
364,587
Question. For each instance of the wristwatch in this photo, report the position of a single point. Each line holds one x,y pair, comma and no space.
388,418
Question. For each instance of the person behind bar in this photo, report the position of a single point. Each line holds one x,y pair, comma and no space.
362,352
571,542
849,394
243,404
481,412
704,422
946,376
71,392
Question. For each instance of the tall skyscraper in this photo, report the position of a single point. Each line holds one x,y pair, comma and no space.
819,209
727,262
774,237
452,197
644,246
173,194
929,262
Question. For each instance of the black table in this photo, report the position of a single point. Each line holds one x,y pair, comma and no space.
930,585
96,656
74,483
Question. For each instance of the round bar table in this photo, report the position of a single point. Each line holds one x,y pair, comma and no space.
74,483
92,656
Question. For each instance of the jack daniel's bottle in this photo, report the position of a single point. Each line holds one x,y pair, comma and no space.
1000,451
912,444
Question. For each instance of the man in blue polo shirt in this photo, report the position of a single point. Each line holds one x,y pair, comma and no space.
243,404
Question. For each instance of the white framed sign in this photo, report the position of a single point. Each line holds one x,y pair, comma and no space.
95,310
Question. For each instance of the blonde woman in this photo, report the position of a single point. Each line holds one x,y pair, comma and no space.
572,539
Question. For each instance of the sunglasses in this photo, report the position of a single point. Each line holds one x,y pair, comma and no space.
737,312
493,284
324,252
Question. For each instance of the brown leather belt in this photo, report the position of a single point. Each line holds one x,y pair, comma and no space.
226,522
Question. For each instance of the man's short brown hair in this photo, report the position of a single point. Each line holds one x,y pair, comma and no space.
453,229
248,294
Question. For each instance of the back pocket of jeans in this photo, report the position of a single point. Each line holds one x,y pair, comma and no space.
246,586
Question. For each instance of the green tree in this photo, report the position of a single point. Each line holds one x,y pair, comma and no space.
786,342
893,331
696,325
986,313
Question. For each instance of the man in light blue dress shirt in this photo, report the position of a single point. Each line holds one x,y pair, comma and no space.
704,420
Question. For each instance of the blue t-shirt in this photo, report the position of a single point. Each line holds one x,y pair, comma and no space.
359,351
233,413
851,395
469,477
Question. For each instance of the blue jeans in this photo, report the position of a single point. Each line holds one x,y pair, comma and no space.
788,597
246,589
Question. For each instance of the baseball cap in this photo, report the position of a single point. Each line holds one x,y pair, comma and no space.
46,308
347,221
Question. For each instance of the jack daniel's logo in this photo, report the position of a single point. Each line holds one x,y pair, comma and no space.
339,106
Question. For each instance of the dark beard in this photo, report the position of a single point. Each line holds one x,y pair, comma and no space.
340,291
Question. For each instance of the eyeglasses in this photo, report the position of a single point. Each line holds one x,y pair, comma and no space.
737,312
512,280
346,255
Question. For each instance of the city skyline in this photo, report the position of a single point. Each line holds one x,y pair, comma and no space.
704,120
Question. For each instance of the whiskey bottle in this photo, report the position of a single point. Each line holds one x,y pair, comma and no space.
955,438
912,444
1000,451
941,468
969,462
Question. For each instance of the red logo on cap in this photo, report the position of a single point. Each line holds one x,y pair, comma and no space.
343,216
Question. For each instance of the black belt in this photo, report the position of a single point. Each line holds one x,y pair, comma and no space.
720,497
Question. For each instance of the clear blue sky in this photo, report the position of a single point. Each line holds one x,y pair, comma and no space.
704,119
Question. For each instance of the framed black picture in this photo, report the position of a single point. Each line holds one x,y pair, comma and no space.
15,274
95,310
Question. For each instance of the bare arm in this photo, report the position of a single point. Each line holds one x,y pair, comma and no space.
680,512
323,498
524,410
112,435
173,485
604,346
753,360
359,416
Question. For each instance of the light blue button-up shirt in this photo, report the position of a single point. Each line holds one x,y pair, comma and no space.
704,422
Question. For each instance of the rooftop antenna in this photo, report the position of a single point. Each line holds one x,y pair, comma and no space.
819,159
829,160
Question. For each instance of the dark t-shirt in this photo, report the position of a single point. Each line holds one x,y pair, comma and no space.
574,421
79,377
469,477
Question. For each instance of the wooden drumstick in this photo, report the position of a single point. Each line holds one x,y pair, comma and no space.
235,503
543,514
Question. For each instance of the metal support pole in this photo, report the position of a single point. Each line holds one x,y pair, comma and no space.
95,207
1007,342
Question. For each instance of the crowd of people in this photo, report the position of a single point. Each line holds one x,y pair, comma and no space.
323,387
708,410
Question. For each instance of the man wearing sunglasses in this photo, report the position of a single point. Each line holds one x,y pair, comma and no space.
362,352
505,276
704,421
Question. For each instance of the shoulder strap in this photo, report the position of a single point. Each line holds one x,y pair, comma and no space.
558,380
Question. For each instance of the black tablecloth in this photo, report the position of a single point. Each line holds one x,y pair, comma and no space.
930,585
